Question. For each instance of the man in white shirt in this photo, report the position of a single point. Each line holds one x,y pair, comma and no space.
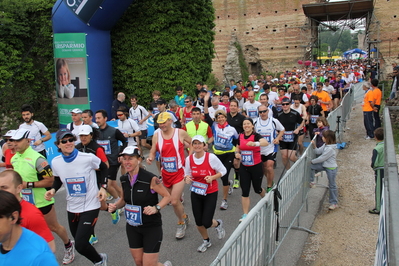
215,107
87,117
250,108
74,126
36,130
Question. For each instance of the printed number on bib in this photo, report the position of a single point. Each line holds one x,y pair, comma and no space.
267,136
106,144
247,158
221,140
253,113
199,188
313,119
288,136
32,143
169,164
76,186
27,195
133,215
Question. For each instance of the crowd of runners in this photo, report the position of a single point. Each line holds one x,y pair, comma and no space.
198,140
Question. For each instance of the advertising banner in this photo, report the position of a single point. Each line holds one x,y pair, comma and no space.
72,84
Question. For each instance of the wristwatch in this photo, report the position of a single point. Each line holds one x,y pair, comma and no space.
158,208
104,186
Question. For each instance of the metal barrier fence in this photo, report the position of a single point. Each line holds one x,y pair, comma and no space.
387,251
257,239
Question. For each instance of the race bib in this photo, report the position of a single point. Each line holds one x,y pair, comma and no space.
106,144
32,143
247,158
133,215
189,119
267,136
137,120
169,164
155,110
279,107
313,118
253,113
288,136
199,188
76,186
221,140
27,195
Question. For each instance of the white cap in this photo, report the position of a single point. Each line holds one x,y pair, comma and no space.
20,134
76,111
9,133
199,138
85,130
256,88
131,151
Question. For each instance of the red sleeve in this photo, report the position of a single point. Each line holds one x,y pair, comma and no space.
33,220
100,153
209,133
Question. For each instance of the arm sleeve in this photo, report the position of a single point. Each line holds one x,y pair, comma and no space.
187,168
57,183
100,153
217,164
103,173
327,153
119,136
208,119
375,153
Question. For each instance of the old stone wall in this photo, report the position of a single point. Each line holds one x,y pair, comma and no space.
273,34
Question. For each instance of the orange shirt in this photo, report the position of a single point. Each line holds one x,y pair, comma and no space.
368,100
377,96
324,97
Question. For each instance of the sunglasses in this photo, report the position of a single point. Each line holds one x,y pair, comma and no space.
119,114
187,101
10,140
263,111
64,141
285,104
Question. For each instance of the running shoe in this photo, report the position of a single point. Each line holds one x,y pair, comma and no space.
69,255
122,211
204,246
186,220
268,189
104,261
243,217
115,217
374,211
181,231
220,230
236,184
93,240
109,197
333,207
230,187
224,205
167,263
182,198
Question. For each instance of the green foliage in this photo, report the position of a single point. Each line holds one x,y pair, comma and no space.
338,41
213,82
161,44
241,62
26,61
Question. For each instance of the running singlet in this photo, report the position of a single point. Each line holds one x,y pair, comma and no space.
186,115
198,172
250,155
172,154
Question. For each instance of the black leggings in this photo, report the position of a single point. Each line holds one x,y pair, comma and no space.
204,208
227,161
250,174
81,226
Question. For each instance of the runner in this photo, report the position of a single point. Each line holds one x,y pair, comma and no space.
250,108
31,217
19,246
169,142
77,171
142,209
248,151
314,111
301,109
129,128
108,139
36,181
139,114
76,123
293,123
201,171
8,150
272,130
87,117
36,130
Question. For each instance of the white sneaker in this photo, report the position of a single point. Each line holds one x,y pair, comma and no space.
69,254
220,230
224,205
181,231
230,187
333,207
104,261
204,246
167,263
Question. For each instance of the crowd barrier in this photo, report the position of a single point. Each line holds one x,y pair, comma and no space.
257,239
387,249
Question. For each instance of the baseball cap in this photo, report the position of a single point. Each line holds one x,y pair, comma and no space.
256,88
285,100
20,134
9,133
61,133
203,90
85,130
161,101
163,117
76,111
131,151
199,138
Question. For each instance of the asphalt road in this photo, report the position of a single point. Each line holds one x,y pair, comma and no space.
113,241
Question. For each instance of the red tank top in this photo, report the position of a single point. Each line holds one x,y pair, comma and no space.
8,155
187,115
199,171
171,151
250,155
